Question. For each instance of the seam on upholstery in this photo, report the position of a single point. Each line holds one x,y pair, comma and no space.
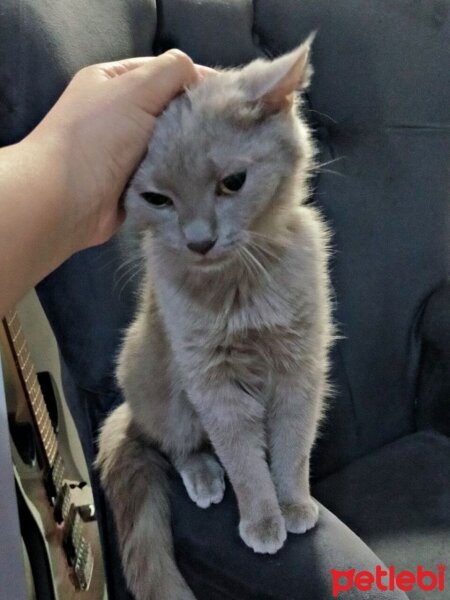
415,334
257,40
358,129
411,126
351,396
22,68
256,36
156,46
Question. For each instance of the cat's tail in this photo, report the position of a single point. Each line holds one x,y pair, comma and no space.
135,481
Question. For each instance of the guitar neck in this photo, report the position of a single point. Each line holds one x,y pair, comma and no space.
70,500
31,388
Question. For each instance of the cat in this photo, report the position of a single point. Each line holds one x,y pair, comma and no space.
228,353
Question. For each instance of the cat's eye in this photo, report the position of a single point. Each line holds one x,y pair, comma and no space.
231,184
155,199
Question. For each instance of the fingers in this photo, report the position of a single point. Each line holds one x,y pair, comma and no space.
157,81
205,71
120,67
151,82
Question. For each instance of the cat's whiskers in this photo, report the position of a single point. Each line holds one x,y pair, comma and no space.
257,263
276,247
262,249
132,265
104,265
270,241
318,167
249,267
128,281
133,270
260,235
332,172
131,260
110,256
322,114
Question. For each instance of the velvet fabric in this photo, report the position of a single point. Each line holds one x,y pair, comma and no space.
379,106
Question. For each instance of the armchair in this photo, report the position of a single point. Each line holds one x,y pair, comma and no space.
380,113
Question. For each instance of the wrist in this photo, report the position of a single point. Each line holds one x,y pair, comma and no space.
44,164
35,235
47,162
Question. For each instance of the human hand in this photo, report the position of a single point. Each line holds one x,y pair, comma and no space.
98,131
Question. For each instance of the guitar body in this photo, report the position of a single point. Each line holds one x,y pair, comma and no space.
50,544
35,498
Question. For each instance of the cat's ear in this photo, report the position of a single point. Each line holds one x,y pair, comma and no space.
274,84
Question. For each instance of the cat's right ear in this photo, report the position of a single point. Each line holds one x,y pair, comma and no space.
274,84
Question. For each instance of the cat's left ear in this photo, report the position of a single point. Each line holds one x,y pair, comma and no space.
274,83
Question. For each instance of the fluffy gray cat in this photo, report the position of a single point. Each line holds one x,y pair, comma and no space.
228,350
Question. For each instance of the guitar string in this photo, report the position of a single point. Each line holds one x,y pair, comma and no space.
83,550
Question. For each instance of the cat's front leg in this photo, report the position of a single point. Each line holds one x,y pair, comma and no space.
234,422
292,425
203,477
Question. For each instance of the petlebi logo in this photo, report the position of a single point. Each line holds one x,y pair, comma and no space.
387,580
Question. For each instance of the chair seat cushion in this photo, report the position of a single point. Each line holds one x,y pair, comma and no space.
218,566
397,500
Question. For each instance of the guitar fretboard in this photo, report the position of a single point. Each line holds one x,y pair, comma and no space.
77,548
31,386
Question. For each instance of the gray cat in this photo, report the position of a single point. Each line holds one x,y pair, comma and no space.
228,350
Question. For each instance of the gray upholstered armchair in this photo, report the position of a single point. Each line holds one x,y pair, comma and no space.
380,105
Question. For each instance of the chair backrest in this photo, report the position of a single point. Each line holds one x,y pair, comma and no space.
380,106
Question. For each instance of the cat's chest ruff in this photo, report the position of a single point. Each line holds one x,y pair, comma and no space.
236,312
246,337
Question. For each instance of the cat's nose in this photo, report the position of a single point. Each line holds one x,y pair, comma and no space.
201,246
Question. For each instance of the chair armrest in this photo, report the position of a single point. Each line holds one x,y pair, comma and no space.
433,391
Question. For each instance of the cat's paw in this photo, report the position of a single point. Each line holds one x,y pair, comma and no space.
300,516
266,535
204,480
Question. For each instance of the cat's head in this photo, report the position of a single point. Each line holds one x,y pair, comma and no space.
226,159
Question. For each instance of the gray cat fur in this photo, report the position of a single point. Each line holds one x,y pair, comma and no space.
228,352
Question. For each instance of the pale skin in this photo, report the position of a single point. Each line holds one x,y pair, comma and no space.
60,187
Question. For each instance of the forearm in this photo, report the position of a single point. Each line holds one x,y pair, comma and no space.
34,234
60,187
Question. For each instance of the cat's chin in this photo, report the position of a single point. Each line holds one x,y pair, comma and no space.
210,264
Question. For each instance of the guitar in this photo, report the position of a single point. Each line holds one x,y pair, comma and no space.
56,507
